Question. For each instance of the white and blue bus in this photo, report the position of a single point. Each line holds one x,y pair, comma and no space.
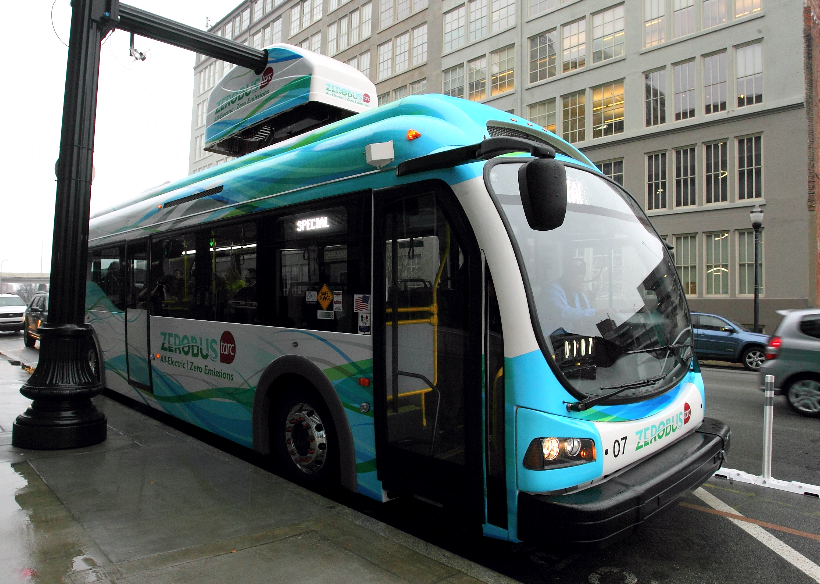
432,298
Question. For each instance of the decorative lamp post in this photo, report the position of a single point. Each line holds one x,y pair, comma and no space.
756,215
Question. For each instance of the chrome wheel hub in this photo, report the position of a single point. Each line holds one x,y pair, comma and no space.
754,359
805,395
305,438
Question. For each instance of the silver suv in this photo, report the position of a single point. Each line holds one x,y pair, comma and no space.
12,308
793,357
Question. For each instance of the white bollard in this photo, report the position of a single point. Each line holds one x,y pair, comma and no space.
768,422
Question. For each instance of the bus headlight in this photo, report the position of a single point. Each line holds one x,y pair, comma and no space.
547,453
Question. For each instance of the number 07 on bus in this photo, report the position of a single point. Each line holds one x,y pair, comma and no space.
432,299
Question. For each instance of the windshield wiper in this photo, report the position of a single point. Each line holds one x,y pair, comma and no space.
591,401
676,355
655,349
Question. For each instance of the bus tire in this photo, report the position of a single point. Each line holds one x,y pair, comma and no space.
304,438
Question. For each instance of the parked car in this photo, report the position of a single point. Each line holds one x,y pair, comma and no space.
36,313
11,312
720,339
793,357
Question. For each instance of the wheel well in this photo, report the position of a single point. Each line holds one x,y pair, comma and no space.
798,376
288,371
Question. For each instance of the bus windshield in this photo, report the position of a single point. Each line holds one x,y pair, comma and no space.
604,292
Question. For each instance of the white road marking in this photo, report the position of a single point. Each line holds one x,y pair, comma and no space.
786,552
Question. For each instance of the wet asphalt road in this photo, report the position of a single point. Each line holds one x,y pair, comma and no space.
692,542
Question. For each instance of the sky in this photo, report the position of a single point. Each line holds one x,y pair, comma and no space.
143,117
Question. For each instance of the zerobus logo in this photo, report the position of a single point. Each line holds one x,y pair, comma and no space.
203,347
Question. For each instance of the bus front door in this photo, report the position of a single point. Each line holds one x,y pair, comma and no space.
136,316
427,356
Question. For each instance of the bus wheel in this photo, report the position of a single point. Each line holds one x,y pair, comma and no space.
305,439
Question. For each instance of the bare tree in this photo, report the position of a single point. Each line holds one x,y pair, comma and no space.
26,292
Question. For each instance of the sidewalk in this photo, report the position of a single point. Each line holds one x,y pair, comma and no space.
153,505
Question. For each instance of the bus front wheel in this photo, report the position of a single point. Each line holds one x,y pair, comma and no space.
304,438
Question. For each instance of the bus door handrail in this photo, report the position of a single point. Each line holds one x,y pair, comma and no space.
438,402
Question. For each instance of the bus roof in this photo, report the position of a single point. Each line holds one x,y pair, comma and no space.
323,156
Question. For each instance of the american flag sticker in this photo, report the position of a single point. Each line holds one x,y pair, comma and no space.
361,303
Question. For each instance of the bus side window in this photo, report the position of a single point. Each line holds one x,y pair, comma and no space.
107,273
233,272
172,262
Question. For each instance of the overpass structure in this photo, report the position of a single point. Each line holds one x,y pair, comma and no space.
11,280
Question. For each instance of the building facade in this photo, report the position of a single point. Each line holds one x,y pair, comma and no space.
698,107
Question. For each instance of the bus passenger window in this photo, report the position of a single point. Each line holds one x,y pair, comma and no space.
172,263
322,261
106,273
233,272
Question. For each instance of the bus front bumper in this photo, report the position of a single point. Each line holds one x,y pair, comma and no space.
607,512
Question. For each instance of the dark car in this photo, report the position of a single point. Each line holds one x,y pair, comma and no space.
36,313
720,339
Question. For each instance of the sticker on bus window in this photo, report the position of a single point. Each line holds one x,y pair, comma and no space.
364,323
324,314
311,296
337,300
361,303
325,297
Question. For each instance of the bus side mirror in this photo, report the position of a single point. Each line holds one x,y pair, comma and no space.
542,183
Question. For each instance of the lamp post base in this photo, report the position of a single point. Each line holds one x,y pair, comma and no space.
61,414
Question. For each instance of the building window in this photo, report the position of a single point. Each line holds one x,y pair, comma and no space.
343,33
201,110
402,9
656,181
655,97
608,109
384,98
717,184
684,18
354,62
332,45
453,81
746,7
543,113
574,51
685,90
714,13
418,87
502,15
749,70
479,18
229,29
454,25
364,63
258,5
608,34
539,6
686,262
654,22
316,42
542,56
385,60
573,116
402,52
386,13
477,72
420,44
246,19
613,169
502,70
717,262
714,83
399,93
685,178
746,262
256,40
367,19
749,168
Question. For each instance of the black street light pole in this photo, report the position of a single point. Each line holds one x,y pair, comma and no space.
61,414
756,216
